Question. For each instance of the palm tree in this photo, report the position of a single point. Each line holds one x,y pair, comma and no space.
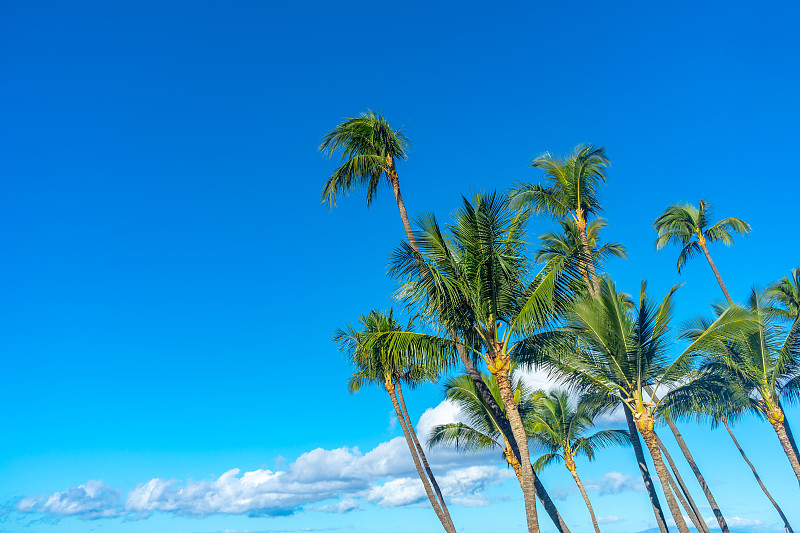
786,294
691,228
482,431
567,244
765,362
616,351
370,151
559,429
571,191
377,364
475,284
367,141
718,399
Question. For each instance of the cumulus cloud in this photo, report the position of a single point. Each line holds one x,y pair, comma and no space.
614,483
332,481
89,501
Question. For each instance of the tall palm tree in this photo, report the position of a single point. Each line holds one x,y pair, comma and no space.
567,244
559,428
365,141
786,294
476,285
765,361
691,228
571,192
375,363
718,399
370,150
482,431
616,351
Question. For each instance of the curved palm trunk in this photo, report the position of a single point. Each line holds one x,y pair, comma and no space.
648,482
697,522
716,272
401,206
420,472
422,457
758,478
585,497
683,494
651,441
780,430
518,430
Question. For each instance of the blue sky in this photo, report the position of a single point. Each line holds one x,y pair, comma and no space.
171,282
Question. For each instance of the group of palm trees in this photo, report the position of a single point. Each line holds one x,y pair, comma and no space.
479,302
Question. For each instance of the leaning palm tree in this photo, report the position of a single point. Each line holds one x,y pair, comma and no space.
691,228
765,362
481,431
616,351
370,150
376,363
786,294
717,399
567,245
472,280
571,192
559,428
365,142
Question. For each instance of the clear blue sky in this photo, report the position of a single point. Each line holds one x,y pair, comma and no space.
170,281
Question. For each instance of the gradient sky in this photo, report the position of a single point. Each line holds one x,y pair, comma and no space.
170,282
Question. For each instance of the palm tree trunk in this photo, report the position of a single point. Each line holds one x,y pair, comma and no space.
420,472
651,441
499,415
694,512
789,431
679,493
395,180
700,479
780,430
758,478
518,430
422,457
585,498
648,482
716,272
693,465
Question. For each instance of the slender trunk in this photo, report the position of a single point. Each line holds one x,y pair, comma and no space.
422,457
475,375
499,415
693,465
694,512
780,430
651,441
425,483
789,432
585,498
648,482
758,478
594,288
518,430
716,272
676,490
394,179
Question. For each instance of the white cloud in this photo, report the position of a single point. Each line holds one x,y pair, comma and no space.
89,501
614,483
616,417
610,519
341,507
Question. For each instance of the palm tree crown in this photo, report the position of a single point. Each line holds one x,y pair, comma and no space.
560,429
370,150
786,294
